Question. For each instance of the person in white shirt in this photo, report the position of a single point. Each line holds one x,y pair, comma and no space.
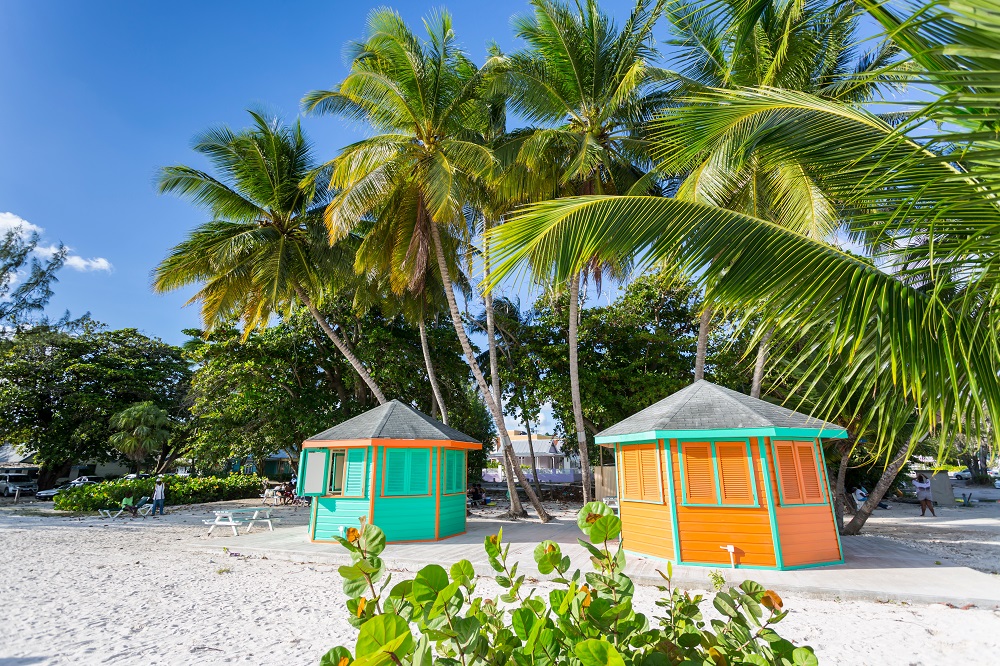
923,486
159,495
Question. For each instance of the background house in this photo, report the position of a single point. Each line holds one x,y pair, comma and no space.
554,464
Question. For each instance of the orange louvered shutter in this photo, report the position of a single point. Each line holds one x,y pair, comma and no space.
631,486
787,472
811,486
649,474
734,473
699,473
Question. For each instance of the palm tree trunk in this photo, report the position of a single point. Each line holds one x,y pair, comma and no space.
703,327
877,493
430,370
512,462
840,493
477,372
531,450
758,367
574,385
341,345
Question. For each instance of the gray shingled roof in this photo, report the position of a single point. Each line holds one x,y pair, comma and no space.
705,406
393,420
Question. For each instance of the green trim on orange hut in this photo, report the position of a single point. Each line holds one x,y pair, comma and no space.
722,433
829,497
672,503
772,515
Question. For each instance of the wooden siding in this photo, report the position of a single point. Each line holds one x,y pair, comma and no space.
646,525
334,513
408,518
702,530
453,510
808,535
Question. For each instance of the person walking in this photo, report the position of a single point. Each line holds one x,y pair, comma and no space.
923,486
159,495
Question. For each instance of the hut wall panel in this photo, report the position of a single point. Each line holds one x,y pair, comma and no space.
703,530
808,535
646,528
406,518
453,509
332,513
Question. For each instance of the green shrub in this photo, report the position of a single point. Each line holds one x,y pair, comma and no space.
180,490
587,621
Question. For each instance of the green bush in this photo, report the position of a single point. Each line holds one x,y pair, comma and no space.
587,621
180,490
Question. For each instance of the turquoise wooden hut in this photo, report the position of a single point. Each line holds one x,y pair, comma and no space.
395,467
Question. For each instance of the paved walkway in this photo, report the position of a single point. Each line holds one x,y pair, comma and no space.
875,568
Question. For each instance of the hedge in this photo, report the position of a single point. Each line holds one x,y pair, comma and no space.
180,490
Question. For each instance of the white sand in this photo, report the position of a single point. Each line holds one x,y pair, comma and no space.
130,592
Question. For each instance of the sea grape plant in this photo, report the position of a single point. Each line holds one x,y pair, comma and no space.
586,620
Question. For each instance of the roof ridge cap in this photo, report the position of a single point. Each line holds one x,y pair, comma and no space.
725,392
377,433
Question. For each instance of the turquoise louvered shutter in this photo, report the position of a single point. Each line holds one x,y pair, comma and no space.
354,479
396,471
420,472
454,471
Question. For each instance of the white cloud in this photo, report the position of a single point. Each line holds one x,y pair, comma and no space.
87,265
9,221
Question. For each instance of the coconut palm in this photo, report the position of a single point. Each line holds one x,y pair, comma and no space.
265,250
899,181
589,84
421,98
141,429
809,47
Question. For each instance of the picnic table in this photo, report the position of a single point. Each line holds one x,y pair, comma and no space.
251,515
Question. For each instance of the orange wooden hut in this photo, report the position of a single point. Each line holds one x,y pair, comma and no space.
713,477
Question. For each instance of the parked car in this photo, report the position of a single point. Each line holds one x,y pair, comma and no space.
11,483
80,480
996,484
137,476
49,494
963,474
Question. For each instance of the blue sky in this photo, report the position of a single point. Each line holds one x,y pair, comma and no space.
98,95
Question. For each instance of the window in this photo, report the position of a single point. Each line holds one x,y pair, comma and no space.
454,472
641,473
717,473
313,472
798,473
356,472
406,472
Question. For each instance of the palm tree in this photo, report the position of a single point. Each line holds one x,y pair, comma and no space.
265,250
590,85
900,181
142,429
809,48
422,98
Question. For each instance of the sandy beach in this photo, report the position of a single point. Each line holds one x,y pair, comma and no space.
87,591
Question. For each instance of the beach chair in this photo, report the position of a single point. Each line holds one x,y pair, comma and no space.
126,505
142,508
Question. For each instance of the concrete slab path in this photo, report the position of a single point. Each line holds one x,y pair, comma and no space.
875,568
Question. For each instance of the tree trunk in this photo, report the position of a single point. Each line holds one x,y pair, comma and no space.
430,370
531,450
341,346
574,386
758,367
477,372
516,510
840,494
703,327
877,493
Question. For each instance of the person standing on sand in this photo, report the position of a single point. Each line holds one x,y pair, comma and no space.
923,486
159,495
